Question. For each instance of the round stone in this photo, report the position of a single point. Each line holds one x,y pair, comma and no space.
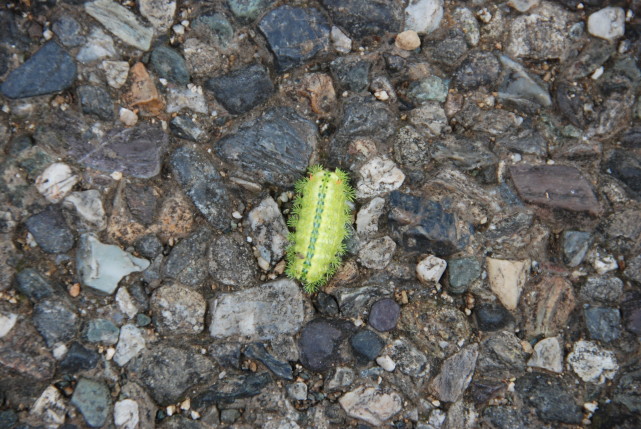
384,315
408,40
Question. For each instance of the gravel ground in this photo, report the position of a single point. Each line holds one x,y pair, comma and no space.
148,155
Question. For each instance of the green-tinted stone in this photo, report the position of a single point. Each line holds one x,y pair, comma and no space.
93,401
431,88
461,273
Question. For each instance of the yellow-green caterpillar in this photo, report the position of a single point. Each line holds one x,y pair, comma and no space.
320,217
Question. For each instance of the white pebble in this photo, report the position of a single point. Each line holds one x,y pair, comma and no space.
128,117
386,363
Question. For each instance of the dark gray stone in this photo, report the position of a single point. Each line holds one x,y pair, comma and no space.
352,74
326,304
501,356
79,358
56,320
450,50
366,344
229,416
526,142
631,138
478,69
242,90
504,417
259,352
455,374
553,402
8,418
226,354
606,290
96,101
93,400
186,128
319,342
68,31
230,388
51,69
604,324
133,151
633,269
248,10
384,315
631,312
170,65
214,28
142,202
422,225
492,316
364,116
461,273
625,166
149,246
142,320
366,17
570,100
521,89
34,285
203,184
354,302
294,34
593,55
275,148
50,230
466,153
187,261
101,331
575,246
627,391
231,261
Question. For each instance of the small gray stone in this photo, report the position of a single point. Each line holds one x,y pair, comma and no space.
34,285
320,341
243,89
384,315
492,316
592,363
268,230
604,324
478,69
178,310
633,269
86,210
185,127
456,374
607,23
423,16
461,273
339,379
378,253
130,343
232,387
148,246
93,401
297,391
521,89
170,65
100,46
231,261
96,101
606,290
366,344
362,18
159,13
248,10
187,261
552,401
431,88
371,405
352,74
68,31
121,22
501,355
409,360
379,176
56,320
547,355
102,331
50,230
575,246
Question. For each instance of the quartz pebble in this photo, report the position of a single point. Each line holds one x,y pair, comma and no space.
408,40
607,23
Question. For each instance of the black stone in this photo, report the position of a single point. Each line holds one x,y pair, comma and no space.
274,148
149,246
170,65
366,17
50,230
384,315
259,352
364,116
394,63
51,69
504,417
625,166
604,324
552,401
231,388
187,261
366,344
142,202
203,184
492,316
243,89
631,312
33,285
422,225
55,320
186,128
352,74
96,101
319,342
326,304
478,69
450,50
294,34
79,358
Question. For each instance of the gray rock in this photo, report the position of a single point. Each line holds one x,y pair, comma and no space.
431,88
79,358
102,266
68,31
214,28
366,344
430,118
521,89
100,46
133,151
455,374
547,355
409,360
353,302
627,391
294,34
231,261
379,176
365,116
281,369
366,17
86,210
352,74
501,355
268,230
423,16
24,352
130,343
148,246
203,184
527,142
371,404
492,316
319,342
167,372
243,89
340,378
101,331
625,166
504,417
450,50
633,269
297,391
56,320
377,253
93,400
142,202
187,261
384,315
185,127
248,10
461,273
170,65
178,310
478,69
232,387
34,285
604,324
466,154
550,399
592,363
261,313
49,70
159,13
121,22
411,149
94,100
593,55
50,230
606,290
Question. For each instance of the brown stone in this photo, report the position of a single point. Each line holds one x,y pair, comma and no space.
143,92
547,306
24,352
556,187
319,89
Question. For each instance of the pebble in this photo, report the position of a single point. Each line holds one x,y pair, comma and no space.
126,303
423,16
50,230
126,414
507,279
606,290
340,379
492,316
351,73
95,100
377,253
455,374
268,230
319,343
551,399
127,117
189,98
116,72
384,315
407,40
550,41
159,13
341,41
461,273
501,354
243,89
185,128
523,5
121,22
607,23
386,363
101,331
548,355
188,261
431,88
34,285
231,261
368,217
371,405
178,310
261,313
592,363
366,344
169,64
92,399
297,391
604,324
99,46
602,261
102,266
281,369
409,360
68,31
362,18
143,92
232,387
478,69
50,69
248,10
79,358
130,343
378,176
88,209
575,246
49,408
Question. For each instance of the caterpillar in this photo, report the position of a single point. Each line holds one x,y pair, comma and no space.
321,218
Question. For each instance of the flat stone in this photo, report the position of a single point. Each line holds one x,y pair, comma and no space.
281,369
178,310
93,400
521,89
297,391
102,266
354,302
501,355
243,89
552,401
592,363
366,344
261,313
377,253
50,230
49,70
423,16
231,261
455,375
56,181
232,387
79,358
467,154
170,65
371,405
188,260
430,269
86,210
605,290
320,341
101,331
556,187
130,343
294,34
366,17
507,279
430,118
126,413
159,13
33,285
378,176
604,324
274,148
492,316
607,23
339,379
548,355
575,246
384,314
185,127
548,306
268,230
203,184
121,22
